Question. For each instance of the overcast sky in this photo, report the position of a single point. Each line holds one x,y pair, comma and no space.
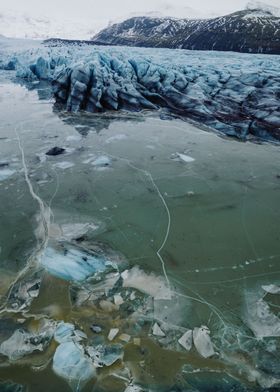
113,9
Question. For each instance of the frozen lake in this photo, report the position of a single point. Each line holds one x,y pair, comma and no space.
193,219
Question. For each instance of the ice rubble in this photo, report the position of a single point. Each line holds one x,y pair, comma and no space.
237,95
77,362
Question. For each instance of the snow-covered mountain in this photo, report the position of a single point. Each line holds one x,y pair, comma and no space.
264,8
255,30
16,25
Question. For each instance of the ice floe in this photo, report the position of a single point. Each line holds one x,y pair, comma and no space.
157,331
74,264
23,343
186,340
271,289
183,157
150,284
259,317
71,363
202,342
6,173
64,165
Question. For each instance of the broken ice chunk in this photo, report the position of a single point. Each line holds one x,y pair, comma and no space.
183,157
75,230
271,289
202,342
64,165
71,363
63,332
113,333
24,291
133,388
118,299
186,340
96,328
71,231
23,343
262,321
6,173
150,284
102,161
157,331
73,264
125,337
105,355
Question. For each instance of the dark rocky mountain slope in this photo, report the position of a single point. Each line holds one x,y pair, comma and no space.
253,30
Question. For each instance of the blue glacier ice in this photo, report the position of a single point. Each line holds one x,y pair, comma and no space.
71,363
74,264
237,94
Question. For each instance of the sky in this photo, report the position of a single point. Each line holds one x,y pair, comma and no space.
110,10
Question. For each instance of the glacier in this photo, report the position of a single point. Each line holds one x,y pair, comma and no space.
236,94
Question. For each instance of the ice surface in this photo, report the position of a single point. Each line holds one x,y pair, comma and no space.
235,94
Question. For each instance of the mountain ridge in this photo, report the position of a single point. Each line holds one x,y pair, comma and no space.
253,30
